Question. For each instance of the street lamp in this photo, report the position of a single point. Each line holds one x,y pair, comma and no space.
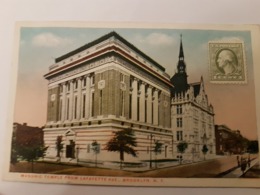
151,137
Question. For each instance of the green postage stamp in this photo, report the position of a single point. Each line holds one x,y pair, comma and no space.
227,62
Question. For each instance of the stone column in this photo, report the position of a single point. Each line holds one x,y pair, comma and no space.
155,108
142,102
134,100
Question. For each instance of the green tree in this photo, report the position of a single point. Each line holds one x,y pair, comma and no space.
31,153
253,146
14,151
96,149
123,141
204,150
157,150
59,146
182,146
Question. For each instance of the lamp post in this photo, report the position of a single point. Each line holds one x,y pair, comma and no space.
151,137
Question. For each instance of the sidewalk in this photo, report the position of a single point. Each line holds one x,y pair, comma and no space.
236,173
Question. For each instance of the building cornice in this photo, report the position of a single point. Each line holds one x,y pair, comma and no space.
106,37
107,50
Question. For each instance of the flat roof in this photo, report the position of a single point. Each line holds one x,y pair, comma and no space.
103,38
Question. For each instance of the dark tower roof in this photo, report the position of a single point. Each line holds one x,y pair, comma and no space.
181,53
179,79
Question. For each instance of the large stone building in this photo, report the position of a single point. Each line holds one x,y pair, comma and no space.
105,86
192,117
108,85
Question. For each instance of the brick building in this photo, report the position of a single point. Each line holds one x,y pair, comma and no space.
25,135
105,86
229,141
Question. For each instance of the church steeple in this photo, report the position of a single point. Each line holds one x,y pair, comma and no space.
181,67
179,79
181,54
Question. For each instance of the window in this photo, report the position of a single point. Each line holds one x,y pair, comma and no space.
179,122
122,77
100,101
138,108
152,112
138,86
145,110
122,103
131,82
83,106
68,86
130,106
179,109
76,84
179,135
68,106
75,107
84,82
60,109
92,103
93,79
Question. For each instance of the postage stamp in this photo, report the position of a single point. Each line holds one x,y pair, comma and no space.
227,63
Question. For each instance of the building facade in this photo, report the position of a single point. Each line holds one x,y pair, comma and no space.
102,87
192,116
229,141
108,85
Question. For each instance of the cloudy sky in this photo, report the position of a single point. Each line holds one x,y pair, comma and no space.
234,104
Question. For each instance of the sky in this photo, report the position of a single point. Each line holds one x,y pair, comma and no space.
234,104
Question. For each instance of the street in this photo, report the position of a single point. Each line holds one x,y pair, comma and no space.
223,166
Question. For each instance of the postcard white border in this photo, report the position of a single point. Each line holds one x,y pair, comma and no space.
172,182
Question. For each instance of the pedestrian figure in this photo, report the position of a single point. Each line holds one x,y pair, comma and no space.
243,165
238,161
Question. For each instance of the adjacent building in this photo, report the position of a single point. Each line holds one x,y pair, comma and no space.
24,135
108,85
192,116
229,141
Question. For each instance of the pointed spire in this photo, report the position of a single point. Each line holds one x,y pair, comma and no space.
181,54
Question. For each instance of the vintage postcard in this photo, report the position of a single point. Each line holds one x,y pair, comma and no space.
135,105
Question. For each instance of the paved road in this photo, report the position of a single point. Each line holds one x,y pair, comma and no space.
203,169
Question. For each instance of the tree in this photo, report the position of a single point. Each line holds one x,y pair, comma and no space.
157,150
31,153
95,149
253,146
14,151
182,146
59,145
204,150
123,141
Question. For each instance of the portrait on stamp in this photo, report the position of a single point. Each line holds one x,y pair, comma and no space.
227,62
